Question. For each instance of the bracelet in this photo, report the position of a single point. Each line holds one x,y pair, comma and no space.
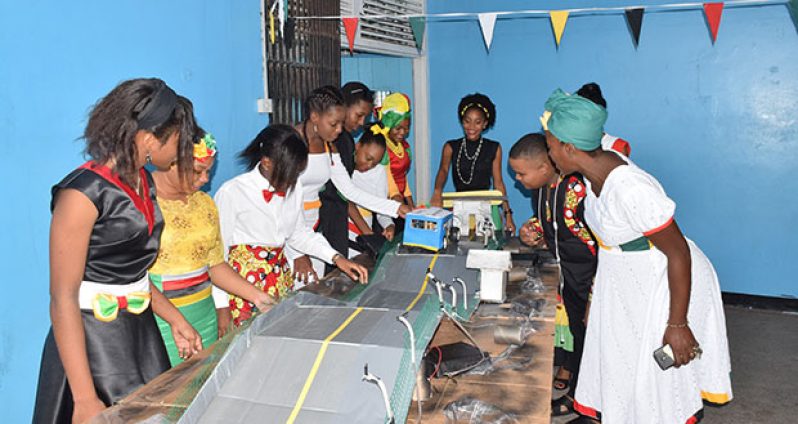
669,325
336,257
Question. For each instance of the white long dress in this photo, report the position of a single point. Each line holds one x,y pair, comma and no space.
619,377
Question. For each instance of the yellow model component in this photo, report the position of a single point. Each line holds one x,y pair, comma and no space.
486,195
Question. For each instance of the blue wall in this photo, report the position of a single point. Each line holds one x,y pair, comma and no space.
59,58
718,125
383,73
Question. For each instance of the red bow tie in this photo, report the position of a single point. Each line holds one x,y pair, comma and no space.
267,195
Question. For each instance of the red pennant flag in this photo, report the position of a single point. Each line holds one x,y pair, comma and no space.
713,12
350,25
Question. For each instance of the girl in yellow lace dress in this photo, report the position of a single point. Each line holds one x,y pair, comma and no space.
191,257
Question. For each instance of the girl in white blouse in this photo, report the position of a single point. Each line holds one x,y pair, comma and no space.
262,210
324,112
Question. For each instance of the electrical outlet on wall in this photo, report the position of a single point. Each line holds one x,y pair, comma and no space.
264,105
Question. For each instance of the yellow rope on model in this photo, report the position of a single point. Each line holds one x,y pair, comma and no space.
423,285
316,364
320,356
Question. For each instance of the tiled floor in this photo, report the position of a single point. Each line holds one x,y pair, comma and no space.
764,354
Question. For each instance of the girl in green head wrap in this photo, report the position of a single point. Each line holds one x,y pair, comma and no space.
653,286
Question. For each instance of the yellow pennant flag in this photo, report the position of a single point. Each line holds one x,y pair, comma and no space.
271,26
558,20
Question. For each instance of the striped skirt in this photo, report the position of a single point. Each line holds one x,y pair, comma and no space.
191,294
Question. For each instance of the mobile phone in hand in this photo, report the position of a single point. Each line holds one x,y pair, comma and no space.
664,357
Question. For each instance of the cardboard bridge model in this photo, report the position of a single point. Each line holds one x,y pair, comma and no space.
303,361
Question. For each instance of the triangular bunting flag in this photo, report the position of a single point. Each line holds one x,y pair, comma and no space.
487,22
288,33
417,24
282,10
558,20
350,25
793,8
713,12
271,27
634,18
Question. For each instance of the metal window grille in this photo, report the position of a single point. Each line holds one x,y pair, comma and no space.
384,35
309,59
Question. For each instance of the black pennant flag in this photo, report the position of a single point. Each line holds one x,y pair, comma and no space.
634,18
288,32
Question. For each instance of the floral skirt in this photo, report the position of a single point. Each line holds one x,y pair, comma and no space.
265,268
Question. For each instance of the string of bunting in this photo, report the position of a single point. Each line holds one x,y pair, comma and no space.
558,18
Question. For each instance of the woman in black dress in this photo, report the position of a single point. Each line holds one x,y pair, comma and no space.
476,161
104,342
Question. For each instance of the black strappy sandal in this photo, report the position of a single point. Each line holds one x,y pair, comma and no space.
561,384
562,406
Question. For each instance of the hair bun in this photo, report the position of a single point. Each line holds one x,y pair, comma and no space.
592,92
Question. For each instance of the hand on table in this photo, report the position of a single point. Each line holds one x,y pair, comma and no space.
389,232
355,271
303,270
436,200
509,225
403,210
264,302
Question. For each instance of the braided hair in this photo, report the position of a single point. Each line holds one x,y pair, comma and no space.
321,99
480,102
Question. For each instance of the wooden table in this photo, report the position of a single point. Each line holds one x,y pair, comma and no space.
524,393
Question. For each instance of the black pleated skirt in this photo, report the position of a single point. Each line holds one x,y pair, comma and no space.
123,354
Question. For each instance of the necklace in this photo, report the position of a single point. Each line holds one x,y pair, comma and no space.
397,148
464,152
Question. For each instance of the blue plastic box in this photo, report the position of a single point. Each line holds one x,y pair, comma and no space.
427,228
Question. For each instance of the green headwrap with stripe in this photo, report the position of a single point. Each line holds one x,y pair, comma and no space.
395,109
575,120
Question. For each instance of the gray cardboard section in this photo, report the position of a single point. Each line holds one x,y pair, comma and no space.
402,277
371,326
265,368
269,377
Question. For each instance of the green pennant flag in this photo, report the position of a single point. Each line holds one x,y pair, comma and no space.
792,6
417,24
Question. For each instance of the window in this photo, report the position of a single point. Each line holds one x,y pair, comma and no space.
310,60
386,36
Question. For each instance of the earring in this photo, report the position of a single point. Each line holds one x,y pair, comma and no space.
315,128
148,159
